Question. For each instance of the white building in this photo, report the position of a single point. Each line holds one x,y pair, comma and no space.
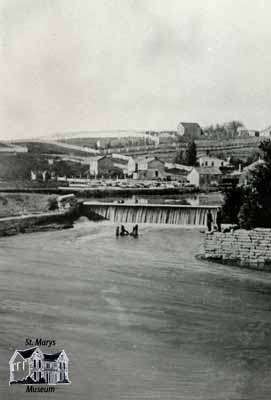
208,161
93,165
204,177
125,163
244,132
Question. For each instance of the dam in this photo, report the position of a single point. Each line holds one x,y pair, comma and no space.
149,213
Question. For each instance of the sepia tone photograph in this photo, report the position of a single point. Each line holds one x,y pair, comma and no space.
135,200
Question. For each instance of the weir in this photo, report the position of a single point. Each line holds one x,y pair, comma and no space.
149,213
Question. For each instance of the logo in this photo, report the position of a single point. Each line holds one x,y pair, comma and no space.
32,366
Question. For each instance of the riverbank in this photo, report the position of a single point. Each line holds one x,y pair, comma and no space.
10,226
101,191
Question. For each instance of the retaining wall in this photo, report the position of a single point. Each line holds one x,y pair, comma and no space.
245,248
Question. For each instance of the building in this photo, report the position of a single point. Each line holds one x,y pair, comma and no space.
182,167
125,163
204,177
176,174
149,168
94,165
208,161
189,130
111,165
34,366
104,167
244,132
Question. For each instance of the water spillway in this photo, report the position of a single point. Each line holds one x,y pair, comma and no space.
150,213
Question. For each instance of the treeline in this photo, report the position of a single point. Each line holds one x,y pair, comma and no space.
249,205
228,130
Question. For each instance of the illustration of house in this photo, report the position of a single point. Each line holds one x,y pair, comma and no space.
32,366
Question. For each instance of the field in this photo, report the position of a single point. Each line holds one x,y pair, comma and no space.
21,203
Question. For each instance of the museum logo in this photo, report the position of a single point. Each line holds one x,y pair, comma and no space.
32,366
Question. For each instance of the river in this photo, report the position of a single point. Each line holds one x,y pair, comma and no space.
193,199
139,318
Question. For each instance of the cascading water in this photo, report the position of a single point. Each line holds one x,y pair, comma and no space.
153,214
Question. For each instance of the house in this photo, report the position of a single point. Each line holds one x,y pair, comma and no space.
208,161
244,132
189,130
204,177
104,166
177,172
93,165
125,163
34,366
149,168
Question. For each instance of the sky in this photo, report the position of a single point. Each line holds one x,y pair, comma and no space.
82,65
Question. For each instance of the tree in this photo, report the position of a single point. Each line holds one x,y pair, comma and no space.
251,204
248,217
227,130
52,203
191,154
232,128
233,198
180,157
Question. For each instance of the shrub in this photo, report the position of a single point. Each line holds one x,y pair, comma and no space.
52,204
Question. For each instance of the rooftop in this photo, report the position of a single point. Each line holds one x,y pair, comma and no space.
27,353
51,357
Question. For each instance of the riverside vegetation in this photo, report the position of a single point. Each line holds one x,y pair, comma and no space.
249,205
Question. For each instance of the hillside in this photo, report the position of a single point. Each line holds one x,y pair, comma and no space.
18,166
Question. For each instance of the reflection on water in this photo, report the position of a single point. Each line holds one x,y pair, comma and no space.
197,199
139,318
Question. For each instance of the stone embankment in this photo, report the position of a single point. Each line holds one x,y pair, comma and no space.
245,248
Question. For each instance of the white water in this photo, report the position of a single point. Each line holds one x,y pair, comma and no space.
154,214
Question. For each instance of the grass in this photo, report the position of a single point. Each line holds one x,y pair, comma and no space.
12,204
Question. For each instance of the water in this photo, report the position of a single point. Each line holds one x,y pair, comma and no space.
196,199
154,214
139,318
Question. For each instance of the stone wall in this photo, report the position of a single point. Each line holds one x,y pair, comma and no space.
245,248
